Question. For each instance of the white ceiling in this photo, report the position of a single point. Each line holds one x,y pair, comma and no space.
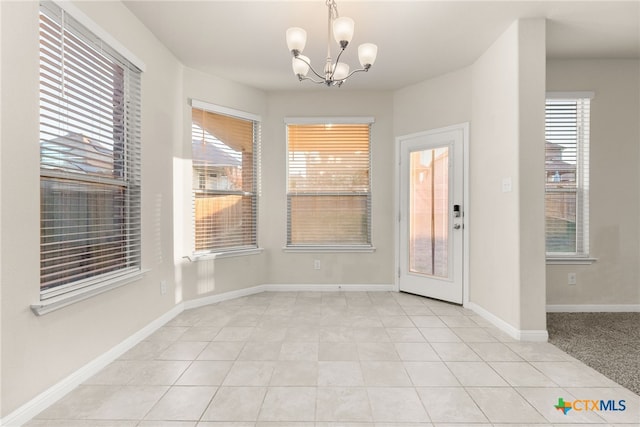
244,41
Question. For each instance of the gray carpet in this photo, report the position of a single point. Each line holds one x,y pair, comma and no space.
608,342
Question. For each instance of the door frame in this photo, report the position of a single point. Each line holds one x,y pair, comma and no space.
464,127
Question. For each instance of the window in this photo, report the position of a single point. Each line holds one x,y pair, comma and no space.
224,152
567,175
89,158
329,185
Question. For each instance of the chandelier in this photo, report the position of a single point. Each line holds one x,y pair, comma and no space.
334,74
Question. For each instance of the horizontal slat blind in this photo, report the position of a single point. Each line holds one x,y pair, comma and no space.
328,189
89,157
224,181
567,176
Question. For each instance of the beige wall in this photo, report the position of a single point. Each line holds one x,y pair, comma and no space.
37,352
494,222
210,277
336,268
506,245
273,265
435,103
531,99
614,183
502,96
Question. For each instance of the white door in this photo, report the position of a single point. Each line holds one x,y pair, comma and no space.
432,213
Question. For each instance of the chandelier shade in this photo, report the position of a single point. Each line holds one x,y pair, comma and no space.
296,39
367,53
300,65
343,30
340,71
334,73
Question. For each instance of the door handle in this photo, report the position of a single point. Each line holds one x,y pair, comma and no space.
457,226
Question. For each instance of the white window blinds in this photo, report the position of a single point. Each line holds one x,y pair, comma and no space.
328,189
89,157
567,175
224,150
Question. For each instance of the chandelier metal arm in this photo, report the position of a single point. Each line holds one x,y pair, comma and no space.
301,78
365,69
327,78
337,61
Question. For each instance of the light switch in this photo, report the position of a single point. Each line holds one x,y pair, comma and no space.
506,185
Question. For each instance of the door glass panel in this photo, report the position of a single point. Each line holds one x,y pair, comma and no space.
429,212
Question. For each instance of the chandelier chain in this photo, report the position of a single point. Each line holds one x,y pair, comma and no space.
333,9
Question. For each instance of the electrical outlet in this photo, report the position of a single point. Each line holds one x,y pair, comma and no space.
571,279
316,264
163,287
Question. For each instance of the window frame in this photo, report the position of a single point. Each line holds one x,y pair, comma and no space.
70,19
335,247
582,185
230,251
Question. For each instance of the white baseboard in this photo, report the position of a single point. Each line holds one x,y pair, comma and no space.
534,335
212,299
328,288
593,308
518,334
225,296
54,393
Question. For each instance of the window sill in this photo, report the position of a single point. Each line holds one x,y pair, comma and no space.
221,255
330,249
57,302
570,260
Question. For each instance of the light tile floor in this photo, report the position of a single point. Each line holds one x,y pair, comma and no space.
337,359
